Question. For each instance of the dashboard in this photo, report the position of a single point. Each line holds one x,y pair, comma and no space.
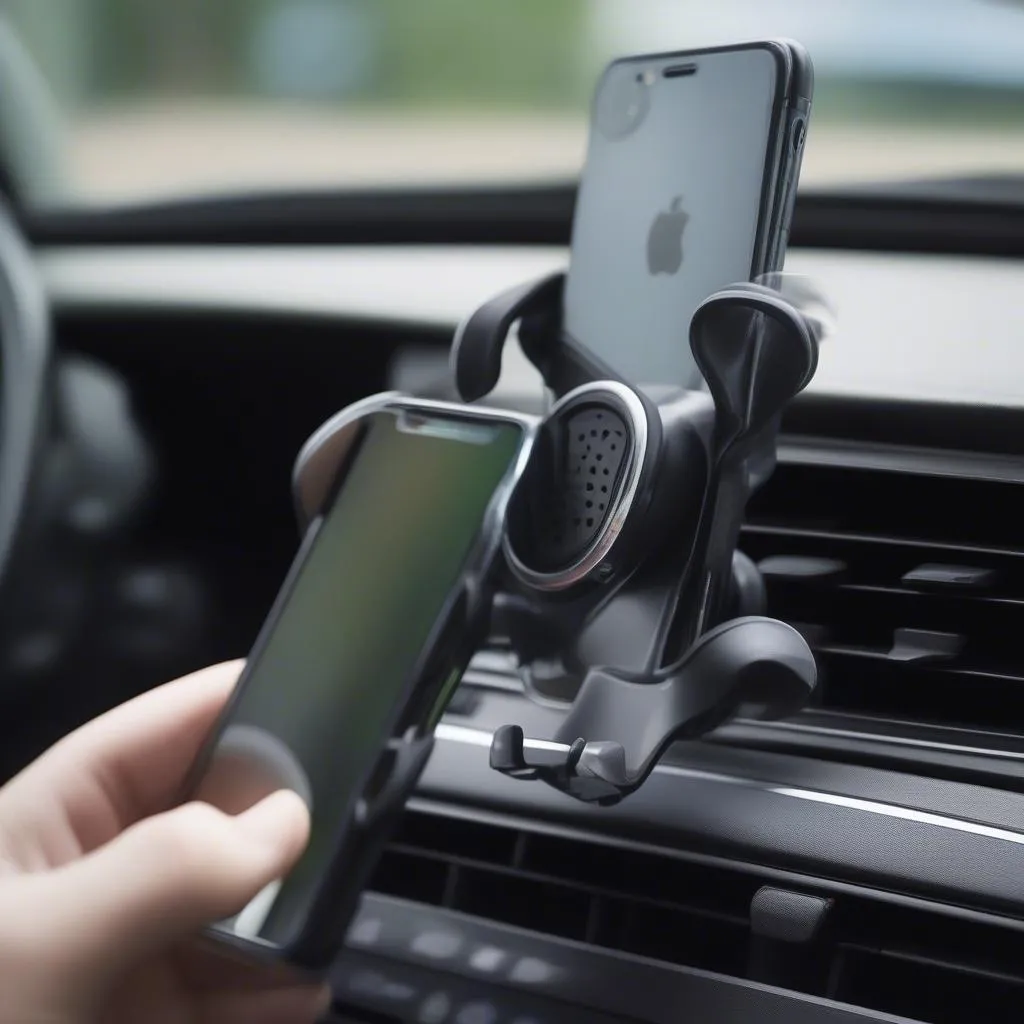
860,861
886,303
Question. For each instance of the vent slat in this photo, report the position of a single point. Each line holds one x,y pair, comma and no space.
844,537
951,512
978,600
882,657
923,990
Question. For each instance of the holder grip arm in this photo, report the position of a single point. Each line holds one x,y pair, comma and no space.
480,339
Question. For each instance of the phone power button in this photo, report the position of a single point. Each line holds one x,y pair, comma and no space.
798,134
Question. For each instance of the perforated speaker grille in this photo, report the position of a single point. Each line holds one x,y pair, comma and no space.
578,471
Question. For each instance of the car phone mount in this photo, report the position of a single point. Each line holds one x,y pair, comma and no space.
626,595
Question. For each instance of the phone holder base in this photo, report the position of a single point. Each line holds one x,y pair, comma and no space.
756,666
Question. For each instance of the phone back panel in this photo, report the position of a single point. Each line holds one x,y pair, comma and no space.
670,204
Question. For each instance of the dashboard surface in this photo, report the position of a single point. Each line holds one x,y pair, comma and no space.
927,328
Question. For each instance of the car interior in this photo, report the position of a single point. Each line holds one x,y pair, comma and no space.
177,321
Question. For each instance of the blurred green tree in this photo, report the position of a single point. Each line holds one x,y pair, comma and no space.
522,53
467,52
157,47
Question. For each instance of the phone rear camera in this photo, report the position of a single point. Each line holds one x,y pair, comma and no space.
622,103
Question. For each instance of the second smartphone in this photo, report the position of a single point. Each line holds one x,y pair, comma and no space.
384,606
689,183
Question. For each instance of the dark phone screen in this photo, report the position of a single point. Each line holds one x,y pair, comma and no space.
319,695
669,203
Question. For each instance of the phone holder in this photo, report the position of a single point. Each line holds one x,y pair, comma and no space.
626,597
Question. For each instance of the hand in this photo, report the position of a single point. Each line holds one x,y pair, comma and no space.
103,886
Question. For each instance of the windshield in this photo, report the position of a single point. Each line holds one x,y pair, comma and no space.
111,101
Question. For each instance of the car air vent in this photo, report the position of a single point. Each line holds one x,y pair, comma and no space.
900,959
908,583
909,586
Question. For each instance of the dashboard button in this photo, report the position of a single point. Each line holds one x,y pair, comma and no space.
435,1009
477,1013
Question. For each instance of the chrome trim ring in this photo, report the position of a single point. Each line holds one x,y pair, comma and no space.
622,501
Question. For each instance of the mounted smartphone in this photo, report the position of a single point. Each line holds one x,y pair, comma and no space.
373,628
689,184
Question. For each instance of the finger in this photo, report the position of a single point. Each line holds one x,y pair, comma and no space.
275,1006
135,757
160,882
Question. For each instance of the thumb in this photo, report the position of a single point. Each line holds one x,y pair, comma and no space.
164,878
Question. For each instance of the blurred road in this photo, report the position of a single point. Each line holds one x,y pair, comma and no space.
147,151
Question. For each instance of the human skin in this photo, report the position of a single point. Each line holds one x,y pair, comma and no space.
105,883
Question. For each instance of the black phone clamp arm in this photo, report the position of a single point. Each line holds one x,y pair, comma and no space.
536,307
480,339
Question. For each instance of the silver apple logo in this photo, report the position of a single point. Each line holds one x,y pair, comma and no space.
665,240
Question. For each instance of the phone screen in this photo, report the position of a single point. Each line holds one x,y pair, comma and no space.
669,205
319,695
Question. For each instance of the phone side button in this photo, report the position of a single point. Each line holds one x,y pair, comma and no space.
799,129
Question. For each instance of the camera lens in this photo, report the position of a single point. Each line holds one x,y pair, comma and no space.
622,103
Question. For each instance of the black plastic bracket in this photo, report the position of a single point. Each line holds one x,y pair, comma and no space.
756,666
